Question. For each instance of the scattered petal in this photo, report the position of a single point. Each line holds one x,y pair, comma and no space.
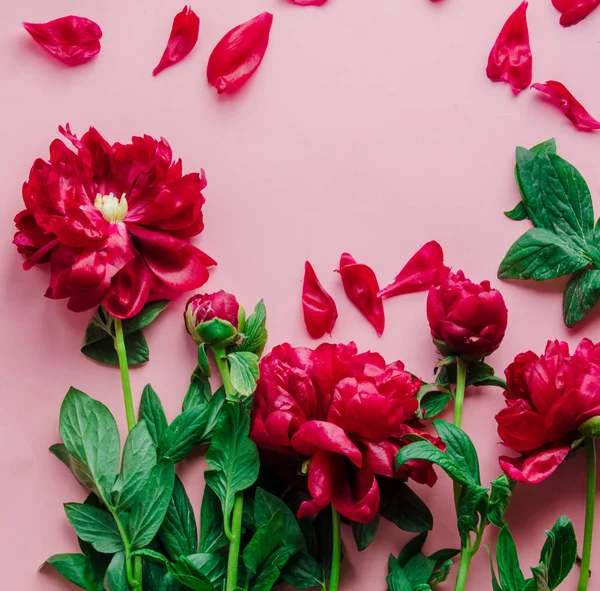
308,2
568,104
183,38
361,287
74,40
573,11
237,56
510,59
425,269
320,311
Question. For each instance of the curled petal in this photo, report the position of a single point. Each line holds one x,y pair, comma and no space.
129,290
573,11
521,428
361,287
510,59
357,501
321,475
237,56
568,104
74,40
424,269
320,311
183,38
536,468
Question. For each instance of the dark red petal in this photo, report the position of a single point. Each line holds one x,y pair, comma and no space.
510,59
321,475
320,311
536,468
183,38
573,11
74,40
129,290
425,269
361,287
237,56
358,502
568,104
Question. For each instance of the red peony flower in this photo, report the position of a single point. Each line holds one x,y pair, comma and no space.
113,221
200,310
469,318
346,413
547,401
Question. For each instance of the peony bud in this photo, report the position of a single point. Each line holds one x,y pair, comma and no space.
214,319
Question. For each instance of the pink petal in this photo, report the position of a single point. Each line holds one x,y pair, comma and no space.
568,104
510,59
183,38
573,11
237,56
308,2
425,269
320,311
74,40
536,468
361,287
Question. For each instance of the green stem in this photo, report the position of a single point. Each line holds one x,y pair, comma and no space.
336,554
235,542
134,574
223,367
479,537
590,448
459,401
466,556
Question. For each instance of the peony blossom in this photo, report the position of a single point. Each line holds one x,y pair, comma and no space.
113,221
340,416
183,38
320,311
469,318
201,310
548,399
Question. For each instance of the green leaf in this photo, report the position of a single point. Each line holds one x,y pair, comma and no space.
271,570
149,511
151,555
212,533
495,584
151,411
189,575
199,391
441,574
412,548
444,555
468,518
460,448
539,254
401,505
212,566
433,402
232,457
560,551
78,469
509,571
581,295
95,526
255,333
186,431
116,575
139,457
500,496
304,572
244,371
364,533
518,212
264,542
178,532
90,435
104,351
418,569
76,568
148,315
265,506
397,580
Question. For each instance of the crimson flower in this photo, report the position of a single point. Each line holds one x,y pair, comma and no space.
345,415
113,222
469,318
549,397
221,308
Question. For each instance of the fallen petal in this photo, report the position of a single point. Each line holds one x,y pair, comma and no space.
237,56
568,104
573,11
74,40
510,59
183,38
320,311
308,2
425,269
361,287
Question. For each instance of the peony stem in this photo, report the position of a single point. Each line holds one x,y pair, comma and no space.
463,568
235,542
223,366
336,554
459,401
590,448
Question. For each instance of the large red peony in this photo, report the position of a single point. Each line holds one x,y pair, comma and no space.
549,397
113,221
341,416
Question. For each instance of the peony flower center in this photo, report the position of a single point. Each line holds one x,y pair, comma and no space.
112,208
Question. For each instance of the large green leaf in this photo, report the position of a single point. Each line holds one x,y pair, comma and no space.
149,512
560,551
199,391
263,543
148,315
116,575
581,295
95,526
509,570
186,431
304,572
212,566
232,457
76,568
212,533
271,570
401,505
244,371
418,569
178,532
397,579
540,254
189,575
255,333
412,548
460,448
151,411
364,533
79,470
468,518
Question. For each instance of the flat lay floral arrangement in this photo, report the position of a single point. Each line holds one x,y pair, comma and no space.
302,442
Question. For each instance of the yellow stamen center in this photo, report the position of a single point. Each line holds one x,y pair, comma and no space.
112,208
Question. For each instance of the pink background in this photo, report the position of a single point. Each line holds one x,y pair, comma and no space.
370,127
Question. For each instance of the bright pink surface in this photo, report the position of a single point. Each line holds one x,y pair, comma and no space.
370,127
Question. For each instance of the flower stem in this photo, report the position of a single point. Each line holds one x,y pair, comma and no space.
590,448
235,542
466,556
459,401
336,554
223,366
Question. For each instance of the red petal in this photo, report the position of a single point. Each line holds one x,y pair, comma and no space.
568,104
424,269
361,287
320,312
129,290
320,483
74,40
573,11
359,502
237,56
537,468
510,59
183,38
308,2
